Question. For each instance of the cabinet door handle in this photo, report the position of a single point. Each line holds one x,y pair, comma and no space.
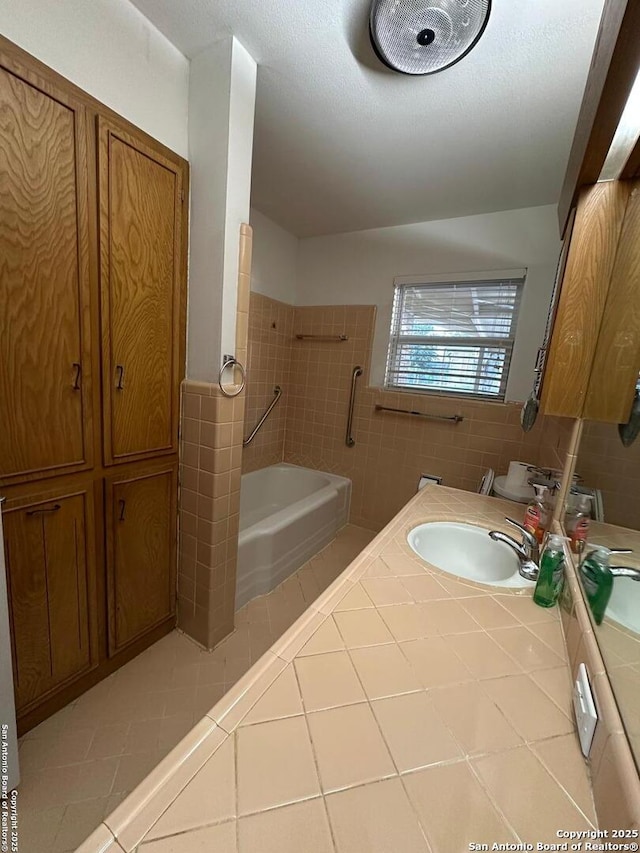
120,372
76,381
43,509
121,504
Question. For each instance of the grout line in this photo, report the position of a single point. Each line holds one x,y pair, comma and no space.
314,755
491,798
563,787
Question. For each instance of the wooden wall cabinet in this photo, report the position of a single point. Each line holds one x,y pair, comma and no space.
93,248
141,512
52,591
140,268
594,357
616,364
45,369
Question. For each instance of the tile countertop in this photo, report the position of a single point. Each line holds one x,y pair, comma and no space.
405,711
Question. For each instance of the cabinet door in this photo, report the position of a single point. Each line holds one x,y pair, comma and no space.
584,292
45,408
141,272
141,553
51,588
617,360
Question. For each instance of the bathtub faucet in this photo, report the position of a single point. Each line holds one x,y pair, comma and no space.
527,551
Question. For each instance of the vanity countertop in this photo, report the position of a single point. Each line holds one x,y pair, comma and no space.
406,710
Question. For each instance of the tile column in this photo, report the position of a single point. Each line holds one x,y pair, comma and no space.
210,469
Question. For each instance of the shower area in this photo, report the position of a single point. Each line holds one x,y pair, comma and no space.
306,376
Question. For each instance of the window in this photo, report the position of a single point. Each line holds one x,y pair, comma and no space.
454,337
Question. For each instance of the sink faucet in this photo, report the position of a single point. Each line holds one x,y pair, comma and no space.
619,571
625,572
527,550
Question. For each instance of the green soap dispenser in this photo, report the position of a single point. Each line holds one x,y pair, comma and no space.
551,577
597,581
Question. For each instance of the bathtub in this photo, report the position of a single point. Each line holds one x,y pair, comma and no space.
287,514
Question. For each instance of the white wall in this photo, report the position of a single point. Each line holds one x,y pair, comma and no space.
222,92
359,268
109,49
275,257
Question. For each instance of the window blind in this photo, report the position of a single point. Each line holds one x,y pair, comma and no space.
454,337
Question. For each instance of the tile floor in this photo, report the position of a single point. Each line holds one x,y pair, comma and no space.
79,764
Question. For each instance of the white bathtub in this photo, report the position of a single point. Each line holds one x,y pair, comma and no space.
287,514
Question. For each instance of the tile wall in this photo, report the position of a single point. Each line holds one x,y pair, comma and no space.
268,365
604,463
210,468
391,451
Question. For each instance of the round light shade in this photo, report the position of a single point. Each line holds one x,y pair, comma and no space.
425,36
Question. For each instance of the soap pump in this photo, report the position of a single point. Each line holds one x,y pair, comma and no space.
536,516
597,579
551,577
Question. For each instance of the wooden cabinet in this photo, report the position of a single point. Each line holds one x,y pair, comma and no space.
45,371
141,264
93,250
616,364
141,552
51,589
594,357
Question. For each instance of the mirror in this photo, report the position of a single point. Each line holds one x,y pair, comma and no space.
606,466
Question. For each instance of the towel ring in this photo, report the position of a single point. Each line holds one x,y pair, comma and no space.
230,361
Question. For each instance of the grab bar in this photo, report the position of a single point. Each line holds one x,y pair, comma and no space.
350,440
322,337
278,393
455,418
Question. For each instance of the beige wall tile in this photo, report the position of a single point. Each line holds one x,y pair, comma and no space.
308,425
208,517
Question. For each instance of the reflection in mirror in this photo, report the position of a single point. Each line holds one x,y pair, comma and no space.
613,472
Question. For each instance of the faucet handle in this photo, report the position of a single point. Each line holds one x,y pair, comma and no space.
527,535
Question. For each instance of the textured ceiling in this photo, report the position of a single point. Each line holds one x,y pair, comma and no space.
342,144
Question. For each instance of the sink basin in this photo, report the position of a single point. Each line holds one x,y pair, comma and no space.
467,551
624,604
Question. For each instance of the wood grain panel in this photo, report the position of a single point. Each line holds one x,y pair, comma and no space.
28,606
49,593
65,549
613,70
44,282
140,233
35,173
617,361
583,296
141,553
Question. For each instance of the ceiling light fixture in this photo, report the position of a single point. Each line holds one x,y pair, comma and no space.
426,36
